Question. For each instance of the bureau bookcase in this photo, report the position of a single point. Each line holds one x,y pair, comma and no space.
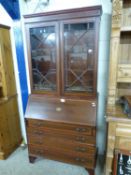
61,114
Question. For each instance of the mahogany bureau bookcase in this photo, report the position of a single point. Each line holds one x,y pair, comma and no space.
61,114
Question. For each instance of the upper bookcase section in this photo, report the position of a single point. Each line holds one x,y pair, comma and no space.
62,51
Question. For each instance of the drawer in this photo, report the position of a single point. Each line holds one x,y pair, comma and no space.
88,162
65,127
62,144
124,73
41,135
123,130
123,143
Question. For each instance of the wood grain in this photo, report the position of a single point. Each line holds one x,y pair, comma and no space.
9,127
60,124
10,131
7,69
52,109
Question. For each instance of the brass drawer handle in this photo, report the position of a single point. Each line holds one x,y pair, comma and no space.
38,142
77,129
83,160
93,104
39,152
38,132
80,159
39,124
81,149
81,139
77,159
81,129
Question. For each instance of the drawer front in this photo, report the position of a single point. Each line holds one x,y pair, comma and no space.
88,162
124,73
123,130
61,144
41,135
123,143
74,128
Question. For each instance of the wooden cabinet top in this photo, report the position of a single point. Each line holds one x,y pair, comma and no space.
65,14
62,110
115,113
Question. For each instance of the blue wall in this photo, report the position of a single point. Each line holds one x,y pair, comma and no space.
21,63
12,7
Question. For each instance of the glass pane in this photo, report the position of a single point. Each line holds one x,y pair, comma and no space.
78,57
43,53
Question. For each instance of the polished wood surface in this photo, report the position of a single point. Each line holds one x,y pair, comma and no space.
67,125
51,132
43,124
71,111
72,144
63,156
60,118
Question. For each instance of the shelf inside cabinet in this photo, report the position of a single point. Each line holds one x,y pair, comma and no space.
125,48
124,73
123,89
126,29
126,13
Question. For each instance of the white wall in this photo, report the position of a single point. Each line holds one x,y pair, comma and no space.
30,7
103,50
5,19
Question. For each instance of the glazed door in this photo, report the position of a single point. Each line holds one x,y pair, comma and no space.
44,58
78,57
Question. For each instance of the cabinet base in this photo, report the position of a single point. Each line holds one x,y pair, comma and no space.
33,158
90,171
5,154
